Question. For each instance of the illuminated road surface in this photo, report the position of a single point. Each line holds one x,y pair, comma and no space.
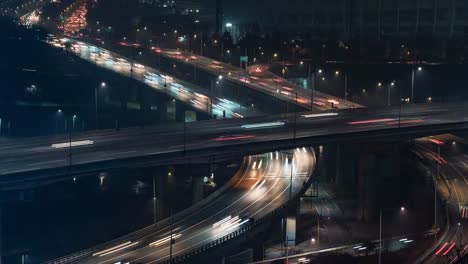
261,186
196,97
219,136
267,83
453,186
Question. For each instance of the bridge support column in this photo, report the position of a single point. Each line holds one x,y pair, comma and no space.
180,109
1,231
338,166
162,108
378,176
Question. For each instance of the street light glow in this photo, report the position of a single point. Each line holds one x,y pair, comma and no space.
228,25
103,84
419,68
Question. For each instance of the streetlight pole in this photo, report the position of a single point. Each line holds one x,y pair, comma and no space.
318,224
435,186
96,107
412,85
389,93
154,200
70,142
380,229
291,175
312,82
201,44
211,100
295,119
388,96
185,132
380,236
172,241
346,87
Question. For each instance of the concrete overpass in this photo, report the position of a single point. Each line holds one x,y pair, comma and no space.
262,187
29,160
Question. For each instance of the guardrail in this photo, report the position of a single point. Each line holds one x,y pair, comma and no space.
244,230
163,223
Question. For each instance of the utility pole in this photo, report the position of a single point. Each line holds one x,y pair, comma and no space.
96,107
388,96
185,133
346,87
412,85
435,186
1,234
70,144
154,201
211,99
380,236
318,225
171,240
312,90
201,44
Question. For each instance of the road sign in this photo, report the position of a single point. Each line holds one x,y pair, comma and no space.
244,58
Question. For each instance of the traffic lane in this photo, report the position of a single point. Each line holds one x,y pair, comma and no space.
203,125
131,141
140,73
196,223
270,196
210,226
232,198
264,84
209,233
338,128
454,192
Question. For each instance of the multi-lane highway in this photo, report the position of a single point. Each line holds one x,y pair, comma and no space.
261,185
217,137
261,80
190,94
445,157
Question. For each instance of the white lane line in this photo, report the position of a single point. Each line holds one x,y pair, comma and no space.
45,162
202,232
279,195
232,204
122,152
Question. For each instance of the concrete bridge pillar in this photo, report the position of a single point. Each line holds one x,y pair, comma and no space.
180,109
378,177
162,109
1,231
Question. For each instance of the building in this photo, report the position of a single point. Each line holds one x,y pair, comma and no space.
345,18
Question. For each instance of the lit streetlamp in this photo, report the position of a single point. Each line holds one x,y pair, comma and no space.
402,210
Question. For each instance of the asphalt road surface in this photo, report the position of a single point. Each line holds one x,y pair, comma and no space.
195,96
216,136
445,157
261,185
261,80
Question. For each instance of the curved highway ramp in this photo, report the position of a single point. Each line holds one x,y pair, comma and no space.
263,185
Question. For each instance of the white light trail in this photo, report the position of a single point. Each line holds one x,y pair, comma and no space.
72,144
319,115
115,249
164,240
222,221
263,125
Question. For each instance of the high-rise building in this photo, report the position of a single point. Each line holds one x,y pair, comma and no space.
345,18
